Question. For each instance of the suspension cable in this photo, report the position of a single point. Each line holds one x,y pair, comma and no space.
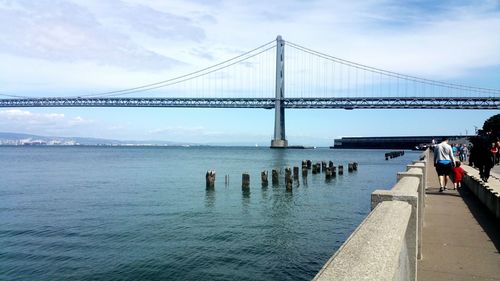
186,77
173,81
264,48
393,74
14,96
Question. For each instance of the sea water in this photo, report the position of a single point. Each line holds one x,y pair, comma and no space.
144,213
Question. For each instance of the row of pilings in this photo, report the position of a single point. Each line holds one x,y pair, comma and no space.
291,175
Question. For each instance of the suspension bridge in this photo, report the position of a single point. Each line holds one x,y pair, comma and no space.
256,79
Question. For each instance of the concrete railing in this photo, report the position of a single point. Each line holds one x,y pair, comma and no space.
487,193
387,244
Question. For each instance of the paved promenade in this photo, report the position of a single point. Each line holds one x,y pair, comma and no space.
461,239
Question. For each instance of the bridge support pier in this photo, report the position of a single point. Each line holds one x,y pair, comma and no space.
279,140
279,143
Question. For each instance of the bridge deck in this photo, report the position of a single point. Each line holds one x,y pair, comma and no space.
266,103
461,239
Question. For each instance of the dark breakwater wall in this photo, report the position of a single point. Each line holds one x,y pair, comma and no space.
391,142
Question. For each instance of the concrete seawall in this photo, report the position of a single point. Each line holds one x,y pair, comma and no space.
382,235
488,193
387,244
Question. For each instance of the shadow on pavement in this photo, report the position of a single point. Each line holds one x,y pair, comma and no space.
435,191
489,223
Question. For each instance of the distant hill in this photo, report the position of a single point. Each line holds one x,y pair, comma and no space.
6,136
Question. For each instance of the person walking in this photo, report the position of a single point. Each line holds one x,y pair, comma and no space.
494,152
464,153
498,152
458,174
443,161
481,156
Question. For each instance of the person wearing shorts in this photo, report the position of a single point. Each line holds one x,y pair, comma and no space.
443,161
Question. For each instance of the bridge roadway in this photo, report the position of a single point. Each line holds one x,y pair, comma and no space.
266,103
461,239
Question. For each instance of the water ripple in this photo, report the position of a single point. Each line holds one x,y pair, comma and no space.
144,213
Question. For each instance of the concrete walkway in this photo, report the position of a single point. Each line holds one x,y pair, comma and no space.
496,171
461,239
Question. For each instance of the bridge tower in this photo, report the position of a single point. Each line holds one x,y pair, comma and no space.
279,140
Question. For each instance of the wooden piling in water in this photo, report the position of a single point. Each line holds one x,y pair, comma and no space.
341,169
264,178
245,181
355,166
210,179
328,173
323,166
309,164
275,177
288,178
350,168
315,169
296,173
304,172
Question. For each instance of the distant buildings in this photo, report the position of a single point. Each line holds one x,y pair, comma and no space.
30,141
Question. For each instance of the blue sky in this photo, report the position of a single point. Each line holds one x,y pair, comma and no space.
69,48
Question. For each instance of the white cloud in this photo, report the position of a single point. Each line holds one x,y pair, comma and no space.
29,117
120,15
64,31
77,121
21,120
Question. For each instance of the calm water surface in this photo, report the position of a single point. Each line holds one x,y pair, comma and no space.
143,213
